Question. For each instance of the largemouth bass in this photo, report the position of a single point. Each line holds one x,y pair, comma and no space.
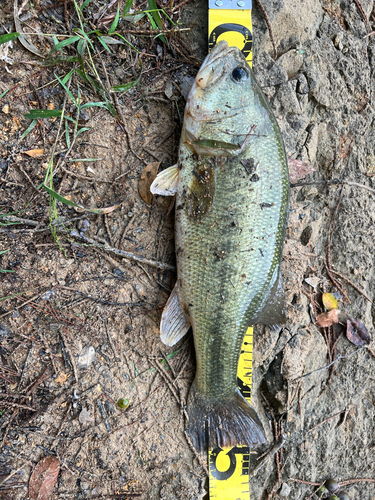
232,189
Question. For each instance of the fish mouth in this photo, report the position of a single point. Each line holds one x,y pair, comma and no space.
213,68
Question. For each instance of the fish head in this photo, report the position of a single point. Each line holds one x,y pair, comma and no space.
219,105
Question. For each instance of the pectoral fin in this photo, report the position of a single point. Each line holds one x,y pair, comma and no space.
166,182
273,312
174,322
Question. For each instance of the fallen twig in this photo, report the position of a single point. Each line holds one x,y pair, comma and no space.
267,19
333,181
125,255
275,448
330,364
352,284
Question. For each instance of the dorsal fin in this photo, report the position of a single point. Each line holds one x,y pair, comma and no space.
174,322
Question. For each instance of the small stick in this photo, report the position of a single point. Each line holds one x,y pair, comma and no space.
352,284
24,366
327,366
267,19
363,13
352,481
327,419
275,448
333,181
126,255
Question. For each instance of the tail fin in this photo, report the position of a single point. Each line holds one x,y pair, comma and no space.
222,422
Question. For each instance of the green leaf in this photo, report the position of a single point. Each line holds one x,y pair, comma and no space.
85,4
127,86
64,43
8,37
115,22
128,5
29,129
43,113
81,47
110,40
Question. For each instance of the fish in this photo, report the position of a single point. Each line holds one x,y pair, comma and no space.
232,200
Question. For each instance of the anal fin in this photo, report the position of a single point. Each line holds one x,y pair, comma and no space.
174,321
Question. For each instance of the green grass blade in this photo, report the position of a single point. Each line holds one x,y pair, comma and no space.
43,113
104,44
92,104
85,159
3,94
66,77
66,90
126,41
128,5
60,198
52,61
85,4
155,13
29,129
67,137
64,43
8,37
81,47
113,27
127,86
83,129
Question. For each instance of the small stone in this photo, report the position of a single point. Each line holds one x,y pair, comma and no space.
285,490
5,109
86,358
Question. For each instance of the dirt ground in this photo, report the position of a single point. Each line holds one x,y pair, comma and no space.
79,323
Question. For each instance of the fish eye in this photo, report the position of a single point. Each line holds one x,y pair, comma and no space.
239,74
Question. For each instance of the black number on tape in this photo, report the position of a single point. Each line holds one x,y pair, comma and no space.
245,390
237,450
223,28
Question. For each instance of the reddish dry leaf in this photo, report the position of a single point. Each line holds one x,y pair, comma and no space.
147,178
43,478
328,319
298,170
34,153
356,332
329,301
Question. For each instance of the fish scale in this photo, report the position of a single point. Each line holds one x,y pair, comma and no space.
229,299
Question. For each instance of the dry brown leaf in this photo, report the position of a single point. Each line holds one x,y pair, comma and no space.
298,170
356,332
43,478
328,319
146,179
34,153
61,378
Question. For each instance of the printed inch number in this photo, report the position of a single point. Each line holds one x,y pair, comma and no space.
229,467
230,20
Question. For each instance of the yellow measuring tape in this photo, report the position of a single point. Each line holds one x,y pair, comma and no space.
229,467
230,20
